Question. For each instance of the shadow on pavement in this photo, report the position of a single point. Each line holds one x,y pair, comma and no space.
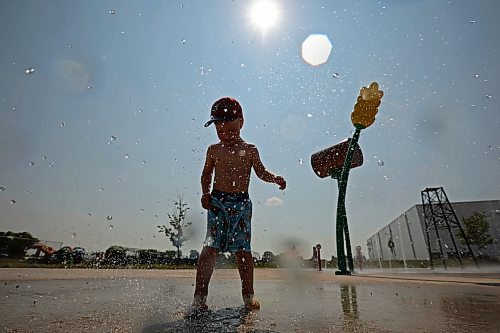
224,320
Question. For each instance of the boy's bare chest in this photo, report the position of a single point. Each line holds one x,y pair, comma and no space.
232,158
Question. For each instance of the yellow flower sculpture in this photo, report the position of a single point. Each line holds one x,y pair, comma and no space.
366,106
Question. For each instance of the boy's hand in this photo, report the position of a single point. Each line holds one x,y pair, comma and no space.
281,182
205,200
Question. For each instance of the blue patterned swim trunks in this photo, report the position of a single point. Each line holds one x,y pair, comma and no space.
229,222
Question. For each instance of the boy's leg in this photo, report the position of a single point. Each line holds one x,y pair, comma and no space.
245,268
204,270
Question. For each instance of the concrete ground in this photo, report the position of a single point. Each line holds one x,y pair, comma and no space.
78,300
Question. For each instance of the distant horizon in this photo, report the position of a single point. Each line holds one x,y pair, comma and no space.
253,250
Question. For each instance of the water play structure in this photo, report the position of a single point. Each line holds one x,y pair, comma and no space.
337,161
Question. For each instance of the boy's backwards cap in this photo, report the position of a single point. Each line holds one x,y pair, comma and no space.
225,109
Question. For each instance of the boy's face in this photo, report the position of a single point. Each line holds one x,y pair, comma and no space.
229,131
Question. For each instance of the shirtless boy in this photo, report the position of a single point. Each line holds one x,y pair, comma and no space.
229,164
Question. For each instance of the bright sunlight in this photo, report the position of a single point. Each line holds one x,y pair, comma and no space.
264,14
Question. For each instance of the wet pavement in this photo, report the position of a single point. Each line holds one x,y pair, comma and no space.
37,300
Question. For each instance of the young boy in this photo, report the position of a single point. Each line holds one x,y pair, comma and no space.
228,204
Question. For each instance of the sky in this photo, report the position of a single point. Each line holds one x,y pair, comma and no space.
102,106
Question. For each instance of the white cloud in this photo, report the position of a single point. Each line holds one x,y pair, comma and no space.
274,202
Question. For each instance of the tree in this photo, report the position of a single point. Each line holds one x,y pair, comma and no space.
116,255
476,231
178,223
148,257
268,257
64,255
194,254
78,255
15,244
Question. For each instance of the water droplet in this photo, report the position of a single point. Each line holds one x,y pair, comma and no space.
472,21
142,210
380,162
112,12
156,215
13,201
126,156
143,162
109,218
63,124
2,188
488,95
89,86
301,161
110,226
29,70
183,41
32,163
89,215
113,138
386,178
476,76
309,115
73,235
242,65
336,75
101,189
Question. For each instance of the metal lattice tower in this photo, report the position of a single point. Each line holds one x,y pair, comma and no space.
439,215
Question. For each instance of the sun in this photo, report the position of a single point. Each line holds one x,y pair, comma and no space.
264,14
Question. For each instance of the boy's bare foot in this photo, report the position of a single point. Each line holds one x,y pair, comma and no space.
198,307
251,303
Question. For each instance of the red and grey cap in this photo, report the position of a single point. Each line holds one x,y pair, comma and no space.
225,109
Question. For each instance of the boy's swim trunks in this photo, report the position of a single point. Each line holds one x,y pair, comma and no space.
228,222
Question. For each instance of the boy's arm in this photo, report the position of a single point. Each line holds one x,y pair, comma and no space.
261,171
206,178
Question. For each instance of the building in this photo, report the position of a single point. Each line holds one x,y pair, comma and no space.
405,238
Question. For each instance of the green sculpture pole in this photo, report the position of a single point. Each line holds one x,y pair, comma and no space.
341,227
350,261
